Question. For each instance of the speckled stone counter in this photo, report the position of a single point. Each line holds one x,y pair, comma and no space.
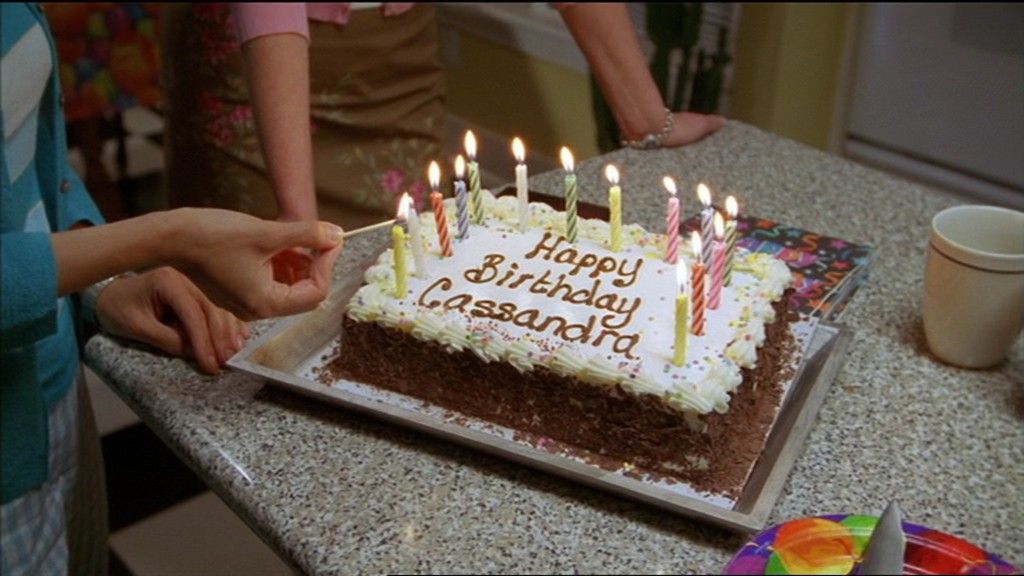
338,492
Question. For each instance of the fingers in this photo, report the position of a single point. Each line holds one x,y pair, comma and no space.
193,319
690,127
317,235
307,293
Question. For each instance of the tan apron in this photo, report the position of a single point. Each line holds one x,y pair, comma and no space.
377,103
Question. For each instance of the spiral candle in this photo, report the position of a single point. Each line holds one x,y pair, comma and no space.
730,237
697,323
571,196
707,215
460,197
476,201
718,265
440,219
671,222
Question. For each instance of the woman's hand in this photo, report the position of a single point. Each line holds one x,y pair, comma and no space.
166,310
690,127
231,256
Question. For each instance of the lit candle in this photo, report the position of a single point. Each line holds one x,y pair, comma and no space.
718,266
460,197
671,221
682,314
732,209
571,195
522,183
413,222
614,208
476,201
398,244
440,219
707,215
697,324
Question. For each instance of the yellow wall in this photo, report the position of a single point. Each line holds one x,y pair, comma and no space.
512,93
788,66
786,76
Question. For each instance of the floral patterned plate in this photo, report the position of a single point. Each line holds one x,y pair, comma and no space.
833,544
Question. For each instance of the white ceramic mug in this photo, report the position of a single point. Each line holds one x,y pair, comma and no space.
974,284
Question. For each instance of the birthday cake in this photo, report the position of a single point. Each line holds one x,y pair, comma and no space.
575,343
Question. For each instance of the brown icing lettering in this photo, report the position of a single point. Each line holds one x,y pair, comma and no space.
487,271
578,332
483,308
633,274
543,247
458,302
444,284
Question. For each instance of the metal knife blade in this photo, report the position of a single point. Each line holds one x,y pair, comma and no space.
884,551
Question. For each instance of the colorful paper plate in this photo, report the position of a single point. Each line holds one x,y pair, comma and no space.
833,544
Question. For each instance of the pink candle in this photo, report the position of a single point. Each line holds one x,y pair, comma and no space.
671,222
718,265
697,322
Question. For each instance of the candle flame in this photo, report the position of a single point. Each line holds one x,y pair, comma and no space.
567,161
460,167
682,274
403,207
612,174
669,185
518,150
470,142
434,175
704,194
731,207
695,244
719,226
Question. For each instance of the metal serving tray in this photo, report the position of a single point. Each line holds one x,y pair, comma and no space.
289,352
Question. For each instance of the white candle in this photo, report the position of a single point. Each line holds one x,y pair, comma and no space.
522,183
413,222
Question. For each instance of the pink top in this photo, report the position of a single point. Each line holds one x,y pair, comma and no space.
260,19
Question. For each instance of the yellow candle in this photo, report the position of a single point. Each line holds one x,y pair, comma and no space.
614,207
401,275
682,314
682,328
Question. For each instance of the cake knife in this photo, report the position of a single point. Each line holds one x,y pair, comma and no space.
884,551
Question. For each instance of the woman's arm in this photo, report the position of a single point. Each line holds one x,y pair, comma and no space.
227,254
605,34
277,68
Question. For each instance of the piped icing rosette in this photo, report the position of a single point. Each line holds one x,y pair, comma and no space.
532,299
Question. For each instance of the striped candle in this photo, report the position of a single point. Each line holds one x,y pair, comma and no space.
718,266
732,209
460,197
697,289
671,221
571,196
707,215
476,201
440,219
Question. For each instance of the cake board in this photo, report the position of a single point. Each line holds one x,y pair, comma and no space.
291,351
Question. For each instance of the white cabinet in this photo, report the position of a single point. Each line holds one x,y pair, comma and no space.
939,96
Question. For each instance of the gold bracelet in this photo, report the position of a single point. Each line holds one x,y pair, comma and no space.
652,141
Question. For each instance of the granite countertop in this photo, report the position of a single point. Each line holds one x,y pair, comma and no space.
334,491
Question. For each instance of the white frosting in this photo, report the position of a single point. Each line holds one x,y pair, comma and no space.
579,310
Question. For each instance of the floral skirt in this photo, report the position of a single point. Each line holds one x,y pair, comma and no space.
376,99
